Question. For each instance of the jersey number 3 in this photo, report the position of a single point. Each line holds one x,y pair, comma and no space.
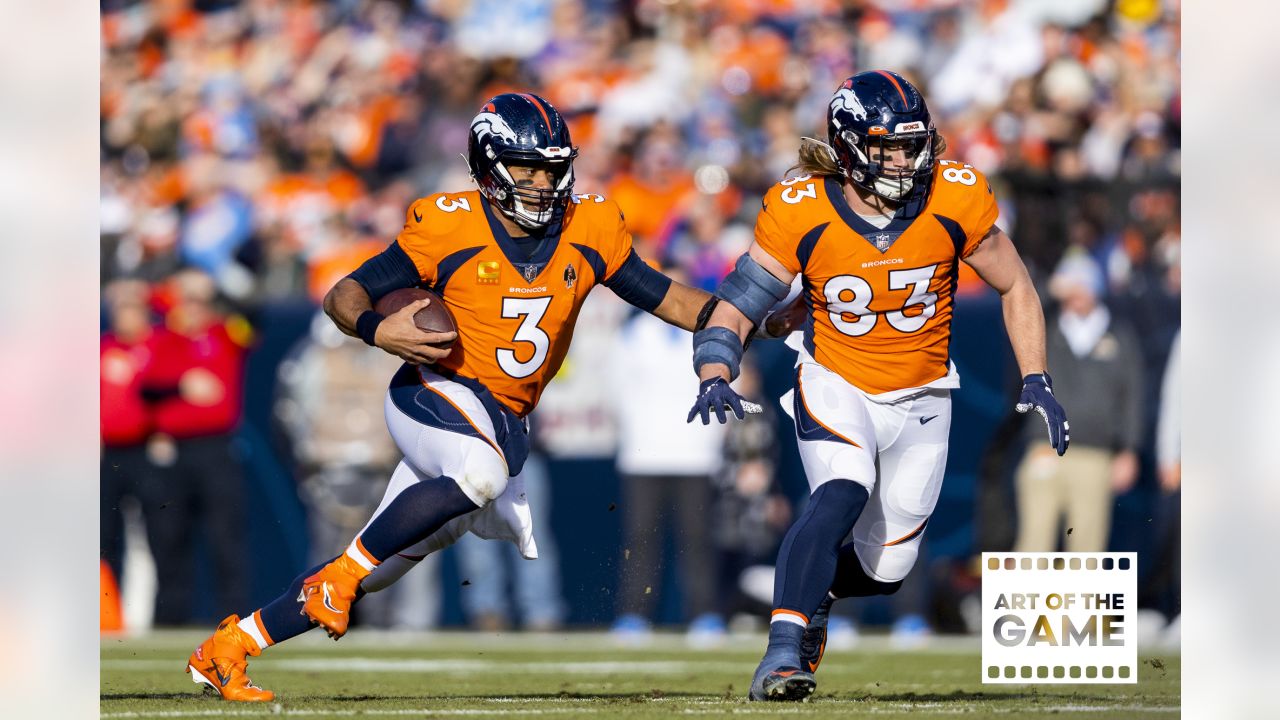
850,295
530,312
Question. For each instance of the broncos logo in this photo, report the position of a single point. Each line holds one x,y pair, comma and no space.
846,100
487,123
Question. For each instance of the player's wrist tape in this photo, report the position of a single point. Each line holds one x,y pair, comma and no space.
752,289
367,325
717,345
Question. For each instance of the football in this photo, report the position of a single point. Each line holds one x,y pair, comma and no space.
432,318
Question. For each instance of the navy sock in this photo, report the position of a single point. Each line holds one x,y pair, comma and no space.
808,556
282,618
852,581
417,512
784,646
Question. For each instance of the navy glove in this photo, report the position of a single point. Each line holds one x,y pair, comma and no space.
1037,394
715,394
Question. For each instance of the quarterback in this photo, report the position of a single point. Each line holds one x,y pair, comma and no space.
875,228
514,262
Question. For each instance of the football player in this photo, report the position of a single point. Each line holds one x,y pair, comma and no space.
875,227
513,262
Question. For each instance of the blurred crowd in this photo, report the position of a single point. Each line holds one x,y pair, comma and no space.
254,152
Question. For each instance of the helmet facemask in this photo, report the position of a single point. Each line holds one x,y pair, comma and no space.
533,208
894,184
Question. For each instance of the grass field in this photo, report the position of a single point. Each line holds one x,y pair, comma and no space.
585,675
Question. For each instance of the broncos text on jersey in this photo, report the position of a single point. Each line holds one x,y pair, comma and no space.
515,319
880,300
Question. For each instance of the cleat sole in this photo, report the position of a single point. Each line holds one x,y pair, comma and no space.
797,688
198,678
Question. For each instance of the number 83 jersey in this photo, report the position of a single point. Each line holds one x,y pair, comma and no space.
880,300
515,314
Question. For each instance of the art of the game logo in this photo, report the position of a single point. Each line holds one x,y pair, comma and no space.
1059,617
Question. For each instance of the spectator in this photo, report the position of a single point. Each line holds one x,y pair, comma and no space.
705,244
196,376
749,513
127,421
666,474
1096,365
1166,582
657,185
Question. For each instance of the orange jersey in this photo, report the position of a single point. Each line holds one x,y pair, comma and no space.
880,299
513,330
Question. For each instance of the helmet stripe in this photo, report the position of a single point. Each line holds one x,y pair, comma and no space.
905,105
534,99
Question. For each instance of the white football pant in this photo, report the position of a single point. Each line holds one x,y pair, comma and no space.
898,451
478,467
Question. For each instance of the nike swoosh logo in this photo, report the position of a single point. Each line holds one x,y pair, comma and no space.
924,420
327,603
416,216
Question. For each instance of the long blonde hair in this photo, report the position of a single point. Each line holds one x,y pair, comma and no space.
819,158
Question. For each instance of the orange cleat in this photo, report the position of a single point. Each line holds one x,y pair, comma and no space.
220,664
327,595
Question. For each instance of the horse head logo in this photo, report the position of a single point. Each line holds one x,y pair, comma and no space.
848,101
487,123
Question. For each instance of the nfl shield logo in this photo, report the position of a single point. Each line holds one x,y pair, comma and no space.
529,271
882,242
570,276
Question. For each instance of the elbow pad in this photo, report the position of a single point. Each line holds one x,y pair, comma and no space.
752,289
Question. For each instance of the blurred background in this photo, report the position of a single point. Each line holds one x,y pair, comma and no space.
252,153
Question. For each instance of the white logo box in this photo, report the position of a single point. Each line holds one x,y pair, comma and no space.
1059,618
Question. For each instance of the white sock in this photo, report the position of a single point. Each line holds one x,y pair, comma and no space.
250,626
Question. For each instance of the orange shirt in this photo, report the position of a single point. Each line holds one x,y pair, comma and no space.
648,207
513,331
881,319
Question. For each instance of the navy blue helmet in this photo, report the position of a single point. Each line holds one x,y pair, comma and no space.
521,129
873,111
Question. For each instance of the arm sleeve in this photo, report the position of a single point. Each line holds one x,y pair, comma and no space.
389,270
773,238
639,284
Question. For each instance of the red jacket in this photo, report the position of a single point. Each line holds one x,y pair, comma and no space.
213,362
125,417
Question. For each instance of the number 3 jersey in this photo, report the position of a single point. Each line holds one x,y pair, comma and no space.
515,314
880,300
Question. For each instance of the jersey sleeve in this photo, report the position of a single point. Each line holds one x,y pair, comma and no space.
616,247
985,212
415,240
773,233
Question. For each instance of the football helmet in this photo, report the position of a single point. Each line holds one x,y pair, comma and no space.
521,129
874,114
